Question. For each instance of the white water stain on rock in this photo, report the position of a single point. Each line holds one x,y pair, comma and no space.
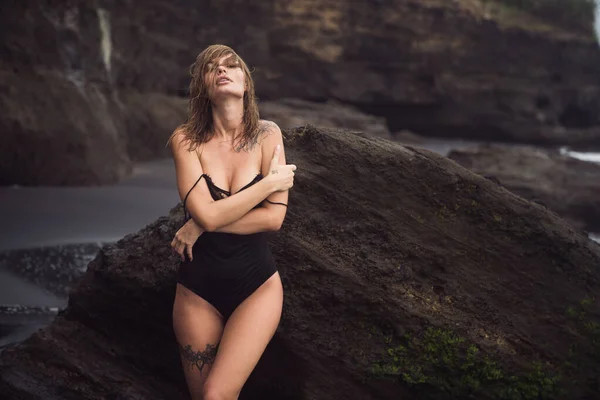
585,156
597,20
105,39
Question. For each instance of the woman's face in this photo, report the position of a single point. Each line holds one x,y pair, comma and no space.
225,78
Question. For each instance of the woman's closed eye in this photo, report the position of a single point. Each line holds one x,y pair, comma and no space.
214,68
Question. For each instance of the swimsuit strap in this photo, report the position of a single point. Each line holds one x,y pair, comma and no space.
275,202
185,213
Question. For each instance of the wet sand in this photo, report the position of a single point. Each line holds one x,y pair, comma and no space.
34,217
42,216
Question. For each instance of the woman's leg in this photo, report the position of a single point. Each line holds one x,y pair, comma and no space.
245,337
198,328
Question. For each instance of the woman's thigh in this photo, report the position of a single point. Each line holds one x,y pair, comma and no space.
245,337
198,327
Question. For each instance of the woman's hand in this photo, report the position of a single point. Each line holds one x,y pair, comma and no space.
185,238
281,176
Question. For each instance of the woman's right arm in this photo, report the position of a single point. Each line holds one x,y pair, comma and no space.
210,214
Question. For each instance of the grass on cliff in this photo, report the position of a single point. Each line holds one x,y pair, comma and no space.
439,364
574,15
587,325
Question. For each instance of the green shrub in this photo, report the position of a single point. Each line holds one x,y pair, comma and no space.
440,364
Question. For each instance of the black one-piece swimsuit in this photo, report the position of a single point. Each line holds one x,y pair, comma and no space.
227,267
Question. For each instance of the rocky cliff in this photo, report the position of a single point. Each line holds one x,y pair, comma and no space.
89,86
564,184
406,276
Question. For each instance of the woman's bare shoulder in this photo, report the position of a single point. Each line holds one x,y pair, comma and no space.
181,129
179,137
265,125
182,140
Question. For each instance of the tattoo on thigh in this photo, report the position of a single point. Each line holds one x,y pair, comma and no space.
199,359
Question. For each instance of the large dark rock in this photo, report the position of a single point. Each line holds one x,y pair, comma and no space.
566,185
150,120
383,246
64,121
291,113
79,80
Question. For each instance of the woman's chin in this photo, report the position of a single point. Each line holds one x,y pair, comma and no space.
226,95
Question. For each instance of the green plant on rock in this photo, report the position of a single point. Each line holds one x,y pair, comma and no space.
535,385
443,362
591,328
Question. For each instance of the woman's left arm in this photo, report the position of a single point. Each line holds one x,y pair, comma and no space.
258,220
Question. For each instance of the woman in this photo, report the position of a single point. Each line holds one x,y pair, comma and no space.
233,180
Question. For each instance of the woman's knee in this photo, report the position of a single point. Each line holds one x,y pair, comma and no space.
215,391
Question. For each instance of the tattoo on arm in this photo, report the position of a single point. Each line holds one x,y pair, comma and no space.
264,130
199,359
265,127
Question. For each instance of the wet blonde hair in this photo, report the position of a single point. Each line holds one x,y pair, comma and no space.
198,128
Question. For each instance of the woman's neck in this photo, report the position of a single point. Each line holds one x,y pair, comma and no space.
227,119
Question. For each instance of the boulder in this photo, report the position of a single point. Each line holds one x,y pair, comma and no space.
150,119
58,132
291,113
65,122
405,276
566,185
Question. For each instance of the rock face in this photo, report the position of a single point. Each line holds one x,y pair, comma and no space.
568,186
64,120
397,263
291,113
86,87
435,67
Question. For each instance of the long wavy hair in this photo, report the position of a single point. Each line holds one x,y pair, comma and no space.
199,127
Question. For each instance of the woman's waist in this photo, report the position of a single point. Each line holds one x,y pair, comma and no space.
225,239
232,261
231,245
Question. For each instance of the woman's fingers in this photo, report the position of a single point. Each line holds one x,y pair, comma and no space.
174,246
189,252
182,251
182,245
179,247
